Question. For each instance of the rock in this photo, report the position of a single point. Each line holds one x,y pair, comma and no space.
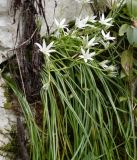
7,120
7,30
63,9
3,6
58,9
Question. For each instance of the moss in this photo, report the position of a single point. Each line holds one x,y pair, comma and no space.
11,148
8,95
7,105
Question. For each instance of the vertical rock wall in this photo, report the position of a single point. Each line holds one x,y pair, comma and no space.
7,30
7,39
58,9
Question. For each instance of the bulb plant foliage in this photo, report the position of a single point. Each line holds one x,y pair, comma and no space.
87,108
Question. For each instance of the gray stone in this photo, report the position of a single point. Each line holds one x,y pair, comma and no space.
58,9
7,120
63,9
7,30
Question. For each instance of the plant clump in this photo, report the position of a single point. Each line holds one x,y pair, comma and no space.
87,102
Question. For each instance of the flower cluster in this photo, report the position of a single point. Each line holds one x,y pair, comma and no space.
89,43
81,23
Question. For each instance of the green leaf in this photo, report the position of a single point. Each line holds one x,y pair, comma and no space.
122,74
132,8
127,62
132,35
123,29
123,99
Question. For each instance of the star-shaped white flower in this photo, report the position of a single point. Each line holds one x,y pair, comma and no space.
104,21
86,55
84,1
111,69
81,23
104,64
61,25
89,43
46,50
107,36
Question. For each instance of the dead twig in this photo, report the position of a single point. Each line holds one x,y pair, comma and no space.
24,43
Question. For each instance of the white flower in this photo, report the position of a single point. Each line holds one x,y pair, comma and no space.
81,23
107,36
111,69
45,49
89,43
60,25
104,64
84,1
92,19
86,55
104,21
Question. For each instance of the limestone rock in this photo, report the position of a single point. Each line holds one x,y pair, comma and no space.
69,9
7,30
58,9
7,120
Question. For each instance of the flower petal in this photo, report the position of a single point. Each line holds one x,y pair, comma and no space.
91,42
52,50
102,17
103,33
62,22
82,51
50,45
92,54
56,22
44,45
85,60
40,47
107,20
81,56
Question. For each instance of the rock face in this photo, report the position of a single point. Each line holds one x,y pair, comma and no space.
58,9
7,30
7,120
